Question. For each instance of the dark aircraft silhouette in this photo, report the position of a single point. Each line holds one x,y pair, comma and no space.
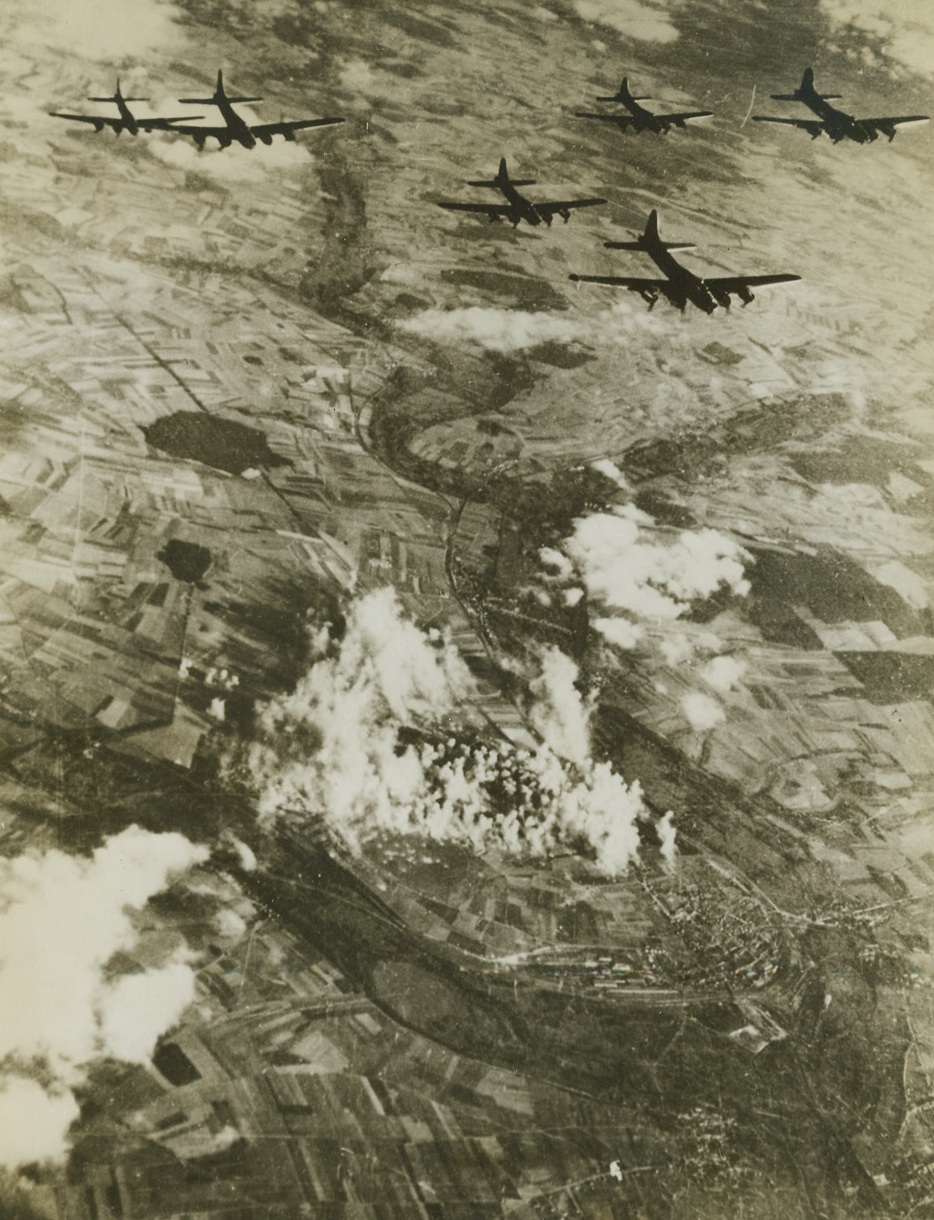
127,121
681,285
639,119
518,207
235,127
836,123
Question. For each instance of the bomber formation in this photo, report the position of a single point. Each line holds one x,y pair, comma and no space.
678,285
233,128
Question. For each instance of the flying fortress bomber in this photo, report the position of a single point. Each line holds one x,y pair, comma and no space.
126,120
235,126
517,206
639,119
837,123
681,285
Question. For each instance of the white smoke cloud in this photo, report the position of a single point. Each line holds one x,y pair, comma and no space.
905,31
702,712
229,924
628,563
666,835
343,718
619,631
502,798
233,164
34,1122
498,330
563,568
335,748
96,29
244,853
644,22
136,1008
676,649
61,919
723,673
559,712
610,471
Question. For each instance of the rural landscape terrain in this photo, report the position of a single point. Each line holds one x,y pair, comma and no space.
466,737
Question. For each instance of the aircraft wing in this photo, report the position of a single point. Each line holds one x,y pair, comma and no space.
165,124
563,207
632,282
621,120
886,125
813,126
97,120
267,130
200,134
739,285
683,117
493,210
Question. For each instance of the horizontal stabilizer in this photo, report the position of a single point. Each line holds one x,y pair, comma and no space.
633,97
796,96
113,98
211,101
494,183
641,245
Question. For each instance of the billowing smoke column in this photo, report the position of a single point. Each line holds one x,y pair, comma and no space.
641,579
379,735
61,919
644,573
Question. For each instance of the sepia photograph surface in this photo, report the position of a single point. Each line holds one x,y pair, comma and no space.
466,635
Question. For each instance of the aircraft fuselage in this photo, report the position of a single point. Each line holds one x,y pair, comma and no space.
644,120
237,127
522,208
683,285
839,124
126,115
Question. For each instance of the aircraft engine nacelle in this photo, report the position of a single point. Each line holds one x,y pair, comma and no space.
289,135
199,141
565,214
98,126
266,138
722,298
224,141
745,294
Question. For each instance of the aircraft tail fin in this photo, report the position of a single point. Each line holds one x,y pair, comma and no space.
219,95
805,89
501,179
117,96
623,95
649,239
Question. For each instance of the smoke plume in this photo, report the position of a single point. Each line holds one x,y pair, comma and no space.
379,735
61,919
